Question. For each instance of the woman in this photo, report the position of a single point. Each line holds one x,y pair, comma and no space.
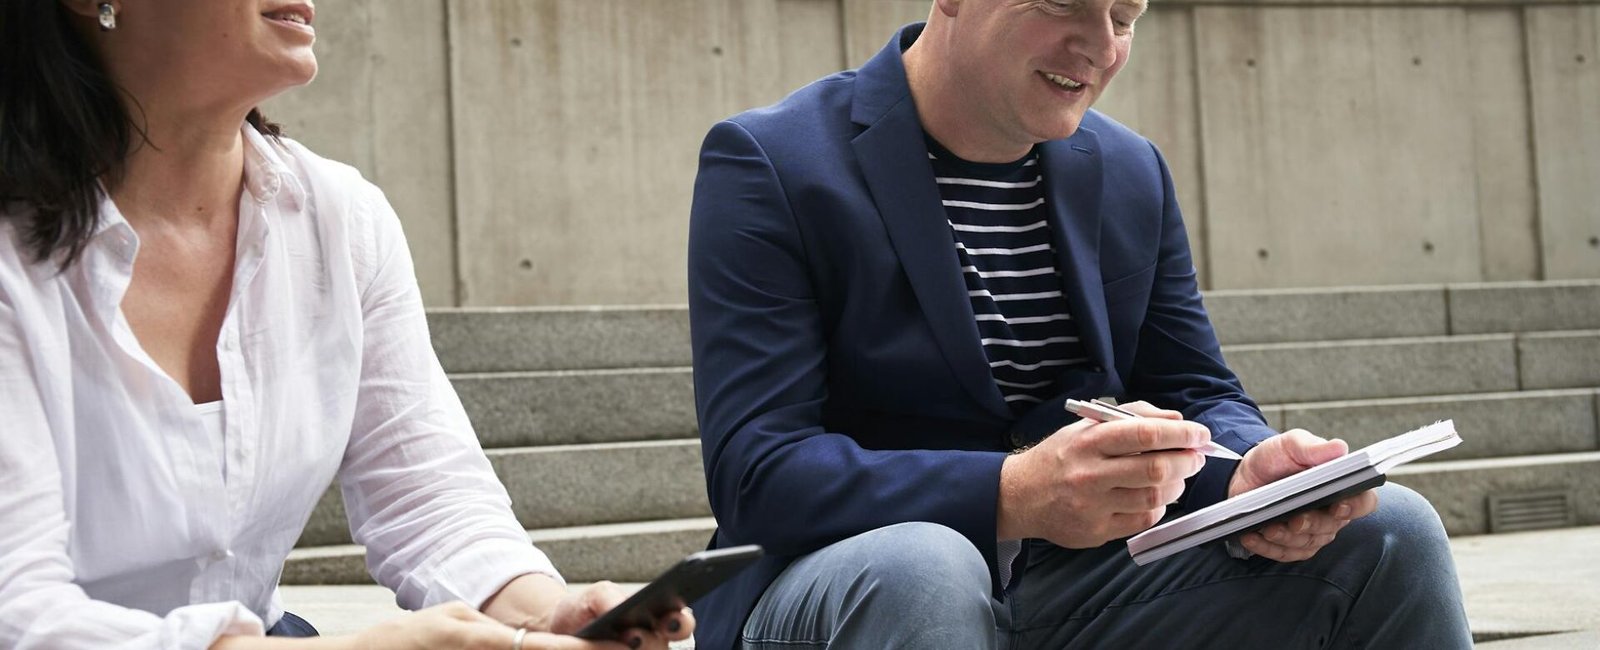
201,325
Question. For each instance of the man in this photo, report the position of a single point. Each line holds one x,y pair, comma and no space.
897,276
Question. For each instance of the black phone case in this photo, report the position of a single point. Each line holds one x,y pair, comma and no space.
678,587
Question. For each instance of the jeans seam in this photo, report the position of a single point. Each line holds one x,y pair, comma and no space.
794,642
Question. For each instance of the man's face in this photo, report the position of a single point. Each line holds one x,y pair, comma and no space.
1035,66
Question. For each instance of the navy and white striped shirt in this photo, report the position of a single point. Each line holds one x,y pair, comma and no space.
1001,227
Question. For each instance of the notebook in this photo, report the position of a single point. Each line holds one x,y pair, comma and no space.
1316,487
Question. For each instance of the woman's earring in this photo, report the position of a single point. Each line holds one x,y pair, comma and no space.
108,17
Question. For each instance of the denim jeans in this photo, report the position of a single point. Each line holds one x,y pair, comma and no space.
1387,581
292,626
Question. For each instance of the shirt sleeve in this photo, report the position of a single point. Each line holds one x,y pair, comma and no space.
40,606
419,491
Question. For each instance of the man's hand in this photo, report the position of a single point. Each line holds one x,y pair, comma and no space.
1090,483
1302,535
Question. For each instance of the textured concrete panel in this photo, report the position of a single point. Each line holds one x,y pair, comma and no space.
1564,65
577,407
560,338
577,130
1313,372
1302,112
381,102
1559,360
869,24
1508,211
1282,315
812,41
1491,425
1524,306
1460,489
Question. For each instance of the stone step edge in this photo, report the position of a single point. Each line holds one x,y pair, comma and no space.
1436,399
543,535
707,523
1250,347
1273,291
690,436
1475,464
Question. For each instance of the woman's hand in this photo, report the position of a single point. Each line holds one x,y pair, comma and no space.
456,626
578,608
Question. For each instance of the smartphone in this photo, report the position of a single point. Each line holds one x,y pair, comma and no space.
681,585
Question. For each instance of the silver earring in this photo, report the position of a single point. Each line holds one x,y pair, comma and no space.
108,17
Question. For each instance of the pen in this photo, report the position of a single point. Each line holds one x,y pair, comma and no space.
1102,412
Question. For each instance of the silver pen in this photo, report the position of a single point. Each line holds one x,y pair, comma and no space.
1103,412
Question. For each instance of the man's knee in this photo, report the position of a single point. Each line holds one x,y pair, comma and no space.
913,585
1402,517
1403,538
921,557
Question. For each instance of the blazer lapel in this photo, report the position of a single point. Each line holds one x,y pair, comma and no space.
1072,188
894,160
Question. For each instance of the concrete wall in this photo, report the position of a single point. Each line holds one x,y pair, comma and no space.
541,152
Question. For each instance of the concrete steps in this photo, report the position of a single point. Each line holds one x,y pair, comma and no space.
629,552
588,413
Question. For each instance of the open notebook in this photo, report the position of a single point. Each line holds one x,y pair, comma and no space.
1313,488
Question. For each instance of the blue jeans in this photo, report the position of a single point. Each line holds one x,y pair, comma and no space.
1387,581
292,626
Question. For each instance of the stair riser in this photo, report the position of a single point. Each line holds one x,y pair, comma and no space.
1559,360
621,558
573,486
1462,497
618,337
1516,424
1402,368
579,408
518,340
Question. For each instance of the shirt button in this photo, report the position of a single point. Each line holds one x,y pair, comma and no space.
219,556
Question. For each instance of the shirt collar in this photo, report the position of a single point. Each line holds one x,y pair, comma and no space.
266,171
265,175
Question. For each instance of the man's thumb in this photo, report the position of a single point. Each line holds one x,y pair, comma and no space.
1310,450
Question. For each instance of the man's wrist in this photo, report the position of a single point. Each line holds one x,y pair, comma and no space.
1008,522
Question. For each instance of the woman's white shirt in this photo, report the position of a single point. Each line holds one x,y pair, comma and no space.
127,521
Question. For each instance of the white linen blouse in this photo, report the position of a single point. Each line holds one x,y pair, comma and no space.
125,522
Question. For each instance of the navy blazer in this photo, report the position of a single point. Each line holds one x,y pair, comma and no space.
839,378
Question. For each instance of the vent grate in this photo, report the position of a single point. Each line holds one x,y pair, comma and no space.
1531,511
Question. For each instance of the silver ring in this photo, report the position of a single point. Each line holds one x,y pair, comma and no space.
516,640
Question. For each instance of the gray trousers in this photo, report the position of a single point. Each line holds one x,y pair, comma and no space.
1387,581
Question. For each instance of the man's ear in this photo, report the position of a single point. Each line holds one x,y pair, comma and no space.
947,7
89,8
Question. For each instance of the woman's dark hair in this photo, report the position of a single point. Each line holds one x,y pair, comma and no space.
62,127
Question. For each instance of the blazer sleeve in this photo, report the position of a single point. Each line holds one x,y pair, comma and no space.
774,474
1179,361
